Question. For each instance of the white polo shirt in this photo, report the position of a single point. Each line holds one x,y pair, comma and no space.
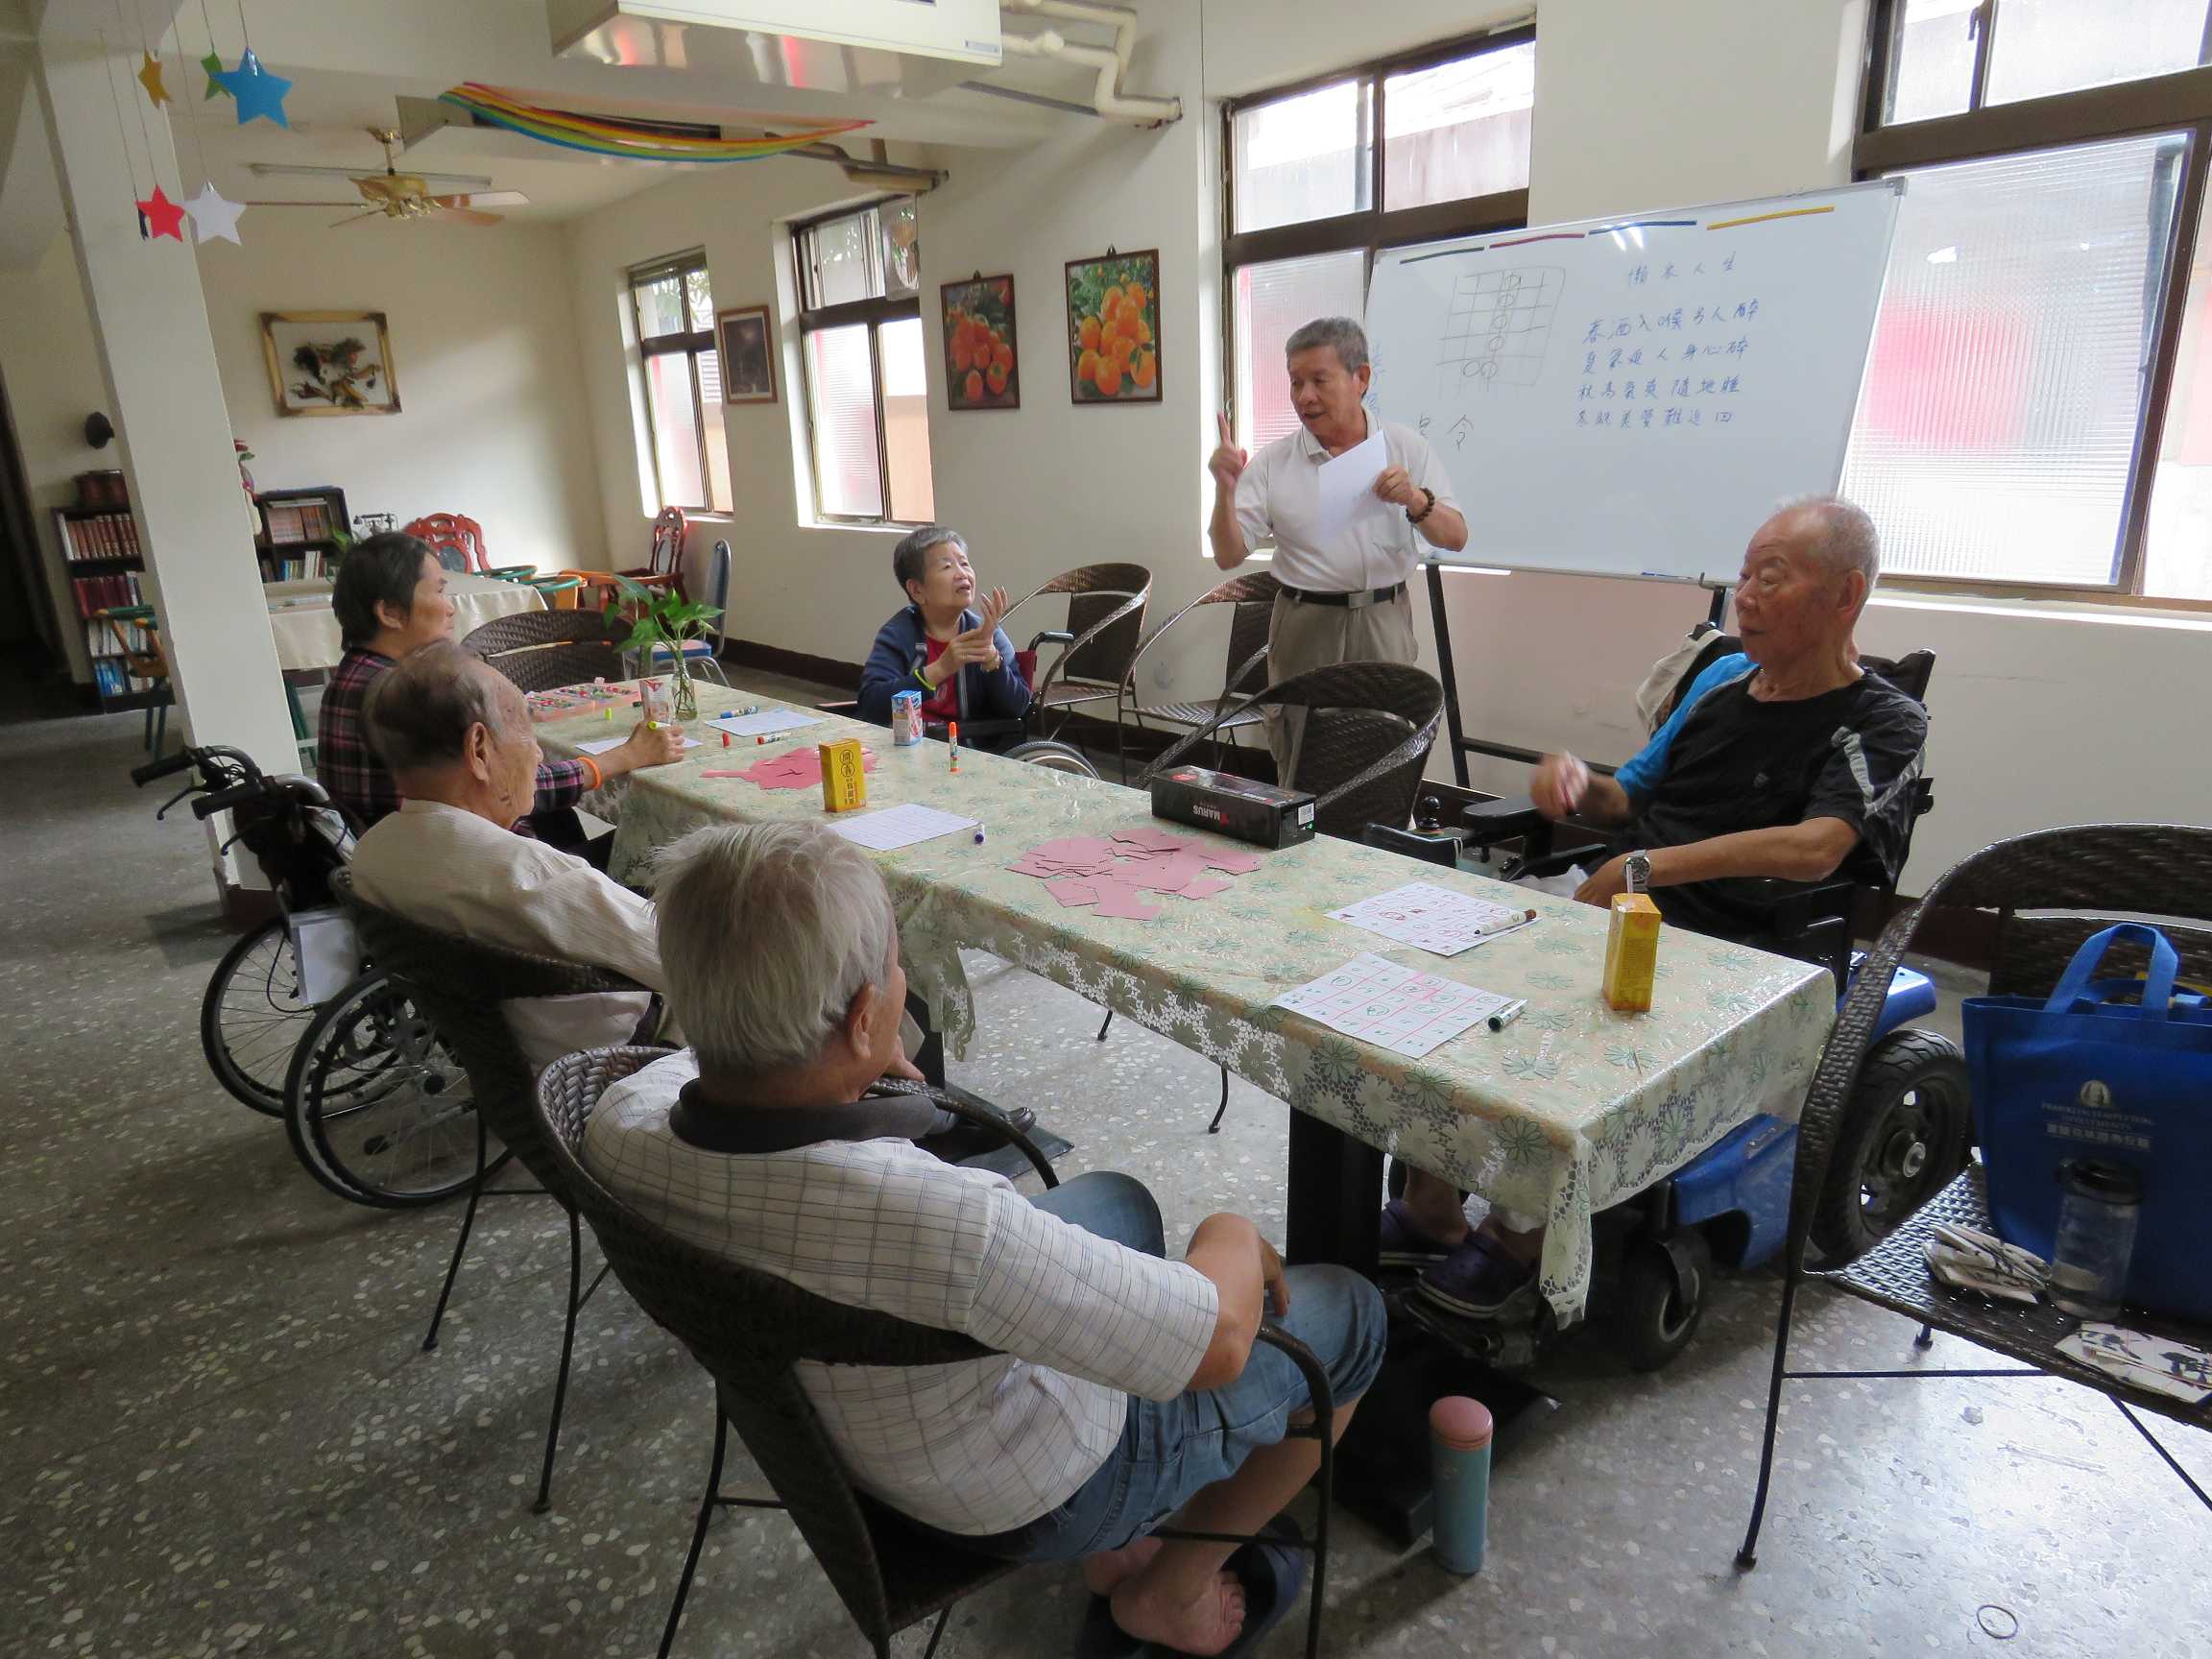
1279,500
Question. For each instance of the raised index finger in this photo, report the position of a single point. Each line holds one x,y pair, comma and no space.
1222,426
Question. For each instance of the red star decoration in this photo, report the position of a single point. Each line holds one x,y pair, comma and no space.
162,216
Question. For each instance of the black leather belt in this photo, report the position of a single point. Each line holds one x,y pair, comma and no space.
1349,601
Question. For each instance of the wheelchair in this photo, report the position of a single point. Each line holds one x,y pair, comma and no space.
375,1107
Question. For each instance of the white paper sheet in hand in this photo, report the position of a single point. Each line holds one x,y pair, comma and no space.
1436,919
1401,1009
765,724
1347,484
896,826
600,746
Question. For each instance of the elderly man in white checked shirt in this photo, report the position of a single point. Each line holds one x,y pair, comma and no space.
1343,596
1124,1388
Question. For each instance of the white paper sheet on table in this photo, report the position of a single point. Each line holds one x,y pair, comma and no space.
1347,484
894,826
763,723
600,745
1401,1009
1433,918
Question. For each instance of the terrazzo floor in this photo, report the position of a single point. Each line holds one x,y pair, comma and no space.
219,1436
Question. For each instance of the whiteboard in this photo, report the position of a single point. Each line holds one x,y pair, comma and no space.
1632,395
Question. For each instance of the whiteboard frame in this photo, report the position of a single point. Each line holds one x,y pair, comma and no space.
1895,185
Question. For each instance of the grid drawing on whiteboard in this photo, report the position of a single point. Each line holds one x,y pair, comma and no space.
1499,327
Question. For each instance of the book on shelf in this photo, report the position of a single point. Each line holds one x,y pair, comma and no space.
98,536
95,593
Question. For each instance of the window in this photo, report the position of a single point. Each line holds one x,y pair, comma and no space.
674,315
2037,412
867,393
1421,147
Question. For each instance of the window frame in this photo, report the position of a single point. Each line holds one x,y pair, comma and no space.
690,343
2179,105
874,313
1370,231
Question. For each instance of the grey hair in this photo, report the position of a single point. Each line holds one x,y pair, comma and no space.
767,933
1843,537
910,559
419,711
1348,339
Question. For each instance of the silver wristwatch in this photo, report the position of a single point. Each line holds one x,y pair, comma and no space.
1636,872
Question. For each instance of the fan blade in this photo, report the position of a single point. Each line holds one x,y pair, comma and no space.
372,213
379,188
299,204
468,215
467,181
484,199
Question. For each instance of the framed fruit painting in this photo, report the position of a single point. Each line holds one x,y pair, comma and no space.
981,370
1114,327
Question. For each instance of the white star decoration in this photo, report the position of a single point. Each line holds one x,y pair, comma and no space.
212,216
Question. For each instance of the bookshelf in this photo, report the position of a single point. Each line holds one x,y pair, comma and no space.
300,531
101,553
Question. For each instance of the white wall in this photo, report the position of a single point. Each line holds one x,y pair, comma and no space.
491,422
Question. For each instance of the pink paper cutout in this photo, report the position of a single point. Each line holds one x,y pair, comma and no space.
795,769
1075,848
1171,873
1117,900
1153,840
1072,893
1206,888
1235,863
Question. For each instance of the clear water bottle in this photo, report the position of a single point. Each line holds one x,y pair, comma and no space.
2096,1237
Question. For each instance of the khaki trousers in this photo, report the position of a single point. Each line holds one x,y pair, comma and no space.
1302,636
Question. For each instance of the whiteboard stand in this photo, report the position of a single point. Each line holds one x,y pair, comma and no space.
1463,745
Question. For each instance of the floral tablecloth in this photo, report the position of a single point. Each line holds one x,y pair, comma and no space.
1571,1109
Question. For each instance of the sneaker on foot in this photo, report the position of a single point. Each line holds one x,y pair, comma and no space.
1480,1281
1404,1244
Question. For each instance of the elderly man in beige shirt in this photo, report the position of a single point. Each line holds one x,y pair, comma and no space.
1343,573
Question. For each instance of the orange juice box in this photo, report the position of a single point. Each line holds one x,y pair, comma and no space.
844,775
1632,953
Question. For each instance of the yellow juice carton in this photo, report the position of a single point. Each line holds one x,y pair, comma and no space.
1632,953
844,775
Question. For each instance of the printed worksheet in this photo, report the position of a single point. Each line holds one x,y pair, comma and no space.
1401,1009
766,723
896,826
1435,919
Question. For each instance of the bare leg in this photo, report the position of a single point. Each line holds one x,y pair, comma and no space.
1104,1572
1434,1205
1184,1599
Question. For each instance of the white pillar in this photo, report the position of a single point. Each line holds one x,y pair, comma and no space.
166,400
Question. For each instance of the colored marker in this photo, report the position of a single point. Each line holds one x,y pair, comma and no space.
1506,1015
978,834
952,738
725,739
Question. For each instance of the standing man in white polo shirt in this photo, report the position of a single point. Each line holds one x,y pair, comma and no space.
1344,598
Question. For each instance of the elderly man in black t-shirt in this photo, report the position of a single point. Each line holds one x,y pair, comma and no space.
1788,759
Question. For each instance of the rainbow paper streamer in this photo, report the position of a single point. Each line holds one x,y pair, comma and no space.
497,108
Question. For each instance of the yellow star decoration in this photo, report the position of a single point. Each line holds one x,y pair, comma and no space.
151,77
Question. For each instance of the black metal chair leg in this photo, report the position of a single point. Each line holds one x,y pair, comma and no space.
1102,1027
1320,1585
937,1635
698,1531
459,1244
2143,1428
561,1379
1221,1111
1926,1338
1747,1557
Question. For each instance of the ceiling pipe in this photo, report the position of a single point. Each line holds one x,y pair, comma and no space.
1112,65
917,180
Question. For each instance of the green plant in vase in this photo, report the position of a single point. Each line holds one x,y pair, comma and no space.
658,617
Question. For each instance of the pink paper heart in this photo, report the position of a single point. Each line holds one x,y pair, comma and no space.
1072,893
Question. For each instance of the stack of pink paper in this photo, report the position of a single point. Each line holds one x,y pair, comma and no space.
792,769
1115,875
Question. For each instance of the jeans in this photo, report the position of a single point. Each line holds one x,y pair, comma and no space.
1168,1450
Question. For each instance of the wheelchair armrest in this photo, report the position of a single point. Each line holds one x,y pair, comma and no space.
1443,850
973,728
1559,860
1492,821
1800,905
1051,636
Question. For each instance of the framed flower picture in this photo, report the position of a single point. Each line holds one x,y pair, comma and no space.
329,362
1114,327
742,351
983,364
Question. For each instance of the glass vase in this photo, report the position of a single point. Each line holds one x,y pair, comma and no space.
683,698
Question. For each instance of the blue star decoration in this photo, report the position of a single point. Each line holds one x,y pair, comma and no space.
256,91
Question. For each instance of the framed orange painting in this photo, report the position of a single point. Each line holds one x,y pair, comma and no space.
982,369
1114,327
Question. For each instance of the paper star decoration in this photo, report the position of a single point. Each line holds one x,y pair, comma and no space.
212,216
150,76
257,92
215,88
163,217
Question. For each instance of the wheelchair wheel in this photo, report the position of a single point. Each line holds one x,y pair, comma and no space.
1052,756
1661,1305
1903,1136
251,1021
376,1107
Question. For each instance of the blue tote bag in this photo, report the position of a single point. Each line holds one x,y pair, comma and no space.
2092,1071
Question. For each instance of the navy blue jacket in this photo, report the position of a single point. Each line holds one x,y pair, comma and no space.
901,648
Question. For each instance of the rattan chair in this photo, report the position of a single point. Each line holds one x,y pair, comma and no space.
2101,874
748,1328
1251,598
459,984
1105,618
543,650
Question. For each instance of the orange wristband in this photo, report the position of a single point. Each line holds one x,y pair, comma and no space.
598,778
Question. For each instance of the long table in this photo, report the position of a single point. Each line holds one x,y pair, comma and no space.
1571,1109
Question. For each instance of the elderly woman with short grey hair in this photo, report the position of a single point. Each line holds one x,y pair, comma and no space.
944,644
1122,1388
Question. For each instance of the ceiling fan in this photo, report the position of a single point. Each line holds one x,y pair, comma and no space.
398,195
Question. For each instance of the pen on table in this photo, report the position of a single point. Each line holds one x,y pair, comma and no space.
952,738
978,834
1506,1015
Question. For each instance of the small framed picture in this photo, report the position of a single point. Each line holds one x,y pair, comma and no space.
329,362
744,346
1114,345
982,366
